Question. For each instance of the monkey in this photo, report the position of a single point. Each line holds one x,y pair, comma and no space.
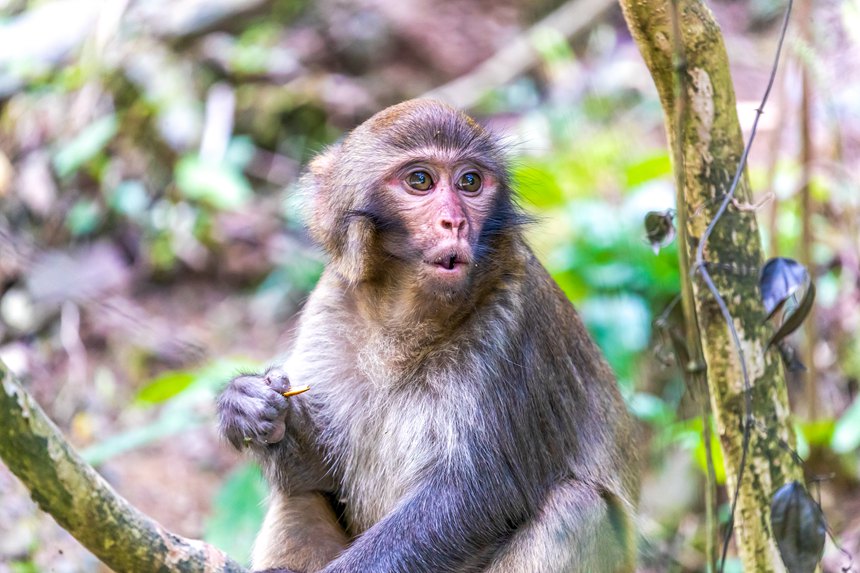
459,417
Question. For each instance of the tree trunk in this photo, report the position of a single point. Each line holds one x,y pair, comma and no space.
83,503
708,141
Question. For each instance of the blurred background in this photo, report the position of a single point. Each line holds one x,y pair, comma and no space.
150,246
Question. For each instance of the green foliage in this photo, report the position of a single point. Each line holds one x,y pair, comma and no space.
846,433
84,217
237,512
84,147
187,397
590,198
129,198
23,567
218,185
165,387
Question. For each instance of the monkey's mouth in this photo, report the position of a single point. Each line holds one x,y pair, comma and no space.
450,262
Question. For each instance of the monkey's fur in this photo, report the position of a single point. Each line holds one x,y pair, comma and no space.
458,424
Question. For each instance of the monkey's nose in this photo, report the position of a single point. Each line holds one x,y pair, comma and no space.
453,225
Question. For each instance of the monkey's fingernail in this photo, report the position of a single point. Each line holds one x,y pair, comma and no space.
296,390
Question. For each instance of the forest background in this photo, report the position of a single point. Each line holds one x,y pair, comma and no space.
150,246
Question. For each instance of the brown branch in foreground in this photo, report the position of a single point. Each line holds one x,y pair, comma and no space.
83,503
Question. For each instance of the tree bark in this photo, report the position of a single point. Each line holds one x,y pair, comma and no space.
709,145
83,503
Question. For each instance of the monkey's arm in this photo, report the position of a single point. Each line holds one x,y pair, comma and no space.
449,519
301,530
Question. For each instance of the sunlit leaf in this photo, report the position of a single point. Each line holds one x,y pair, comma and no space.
701,455
237,512
780,279
846,434
660,228
180,411
165,387
648,169
218,184
799,528
818,432
85,146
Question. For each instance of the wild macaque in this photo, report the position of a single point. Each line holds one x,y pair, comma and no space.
459,417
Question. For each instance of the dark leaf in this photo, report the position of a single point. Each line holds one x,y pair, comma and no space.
780,279
660,228
795,318
799,527
789,357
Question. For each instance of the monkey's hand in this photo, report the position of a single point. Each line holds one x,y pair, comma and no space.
253,410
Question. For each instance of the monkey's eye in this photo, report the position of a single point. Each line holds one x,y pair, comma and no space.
420,180
470,182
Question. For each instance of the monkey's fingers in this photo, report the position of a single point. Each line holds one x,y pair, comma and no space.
294,391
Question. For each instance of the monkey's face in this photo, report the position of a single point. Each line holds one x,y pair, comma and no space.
442,205
415,200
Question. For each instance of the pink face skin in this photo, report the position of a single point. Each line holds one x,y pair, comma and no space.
444,207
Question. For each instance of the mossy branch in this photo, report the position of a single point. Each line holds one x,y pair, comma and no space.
83,503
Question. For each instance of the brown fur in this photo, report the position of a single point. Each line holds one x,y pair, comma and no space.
464,420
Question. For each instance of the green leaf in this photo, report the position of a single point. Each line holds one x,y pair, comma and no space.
846,434
23,567
129,198
237,512
537,186
701,457
648,169
219,185
84,217
651,408
799,528
85,146
181,412
818,432
165,387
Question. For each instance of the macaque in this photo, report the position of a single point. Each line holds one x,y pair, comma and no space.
459,417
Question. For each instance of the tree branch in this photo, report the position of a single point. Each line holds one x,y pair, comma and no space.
745,381
83,503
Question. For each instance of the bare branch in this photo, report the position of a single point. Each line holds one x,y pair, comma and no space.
516,58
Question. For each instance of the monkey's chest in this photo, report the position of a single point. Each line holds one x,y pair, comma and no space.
383,455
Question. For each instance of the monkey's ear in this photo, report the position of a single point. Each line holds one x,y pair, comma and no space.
320,166
319,199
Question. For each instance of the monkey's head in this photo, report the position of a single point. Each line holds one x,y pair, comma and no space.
418,192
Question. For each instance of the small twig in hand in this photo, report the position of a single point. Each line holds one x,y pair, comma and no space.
295,391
